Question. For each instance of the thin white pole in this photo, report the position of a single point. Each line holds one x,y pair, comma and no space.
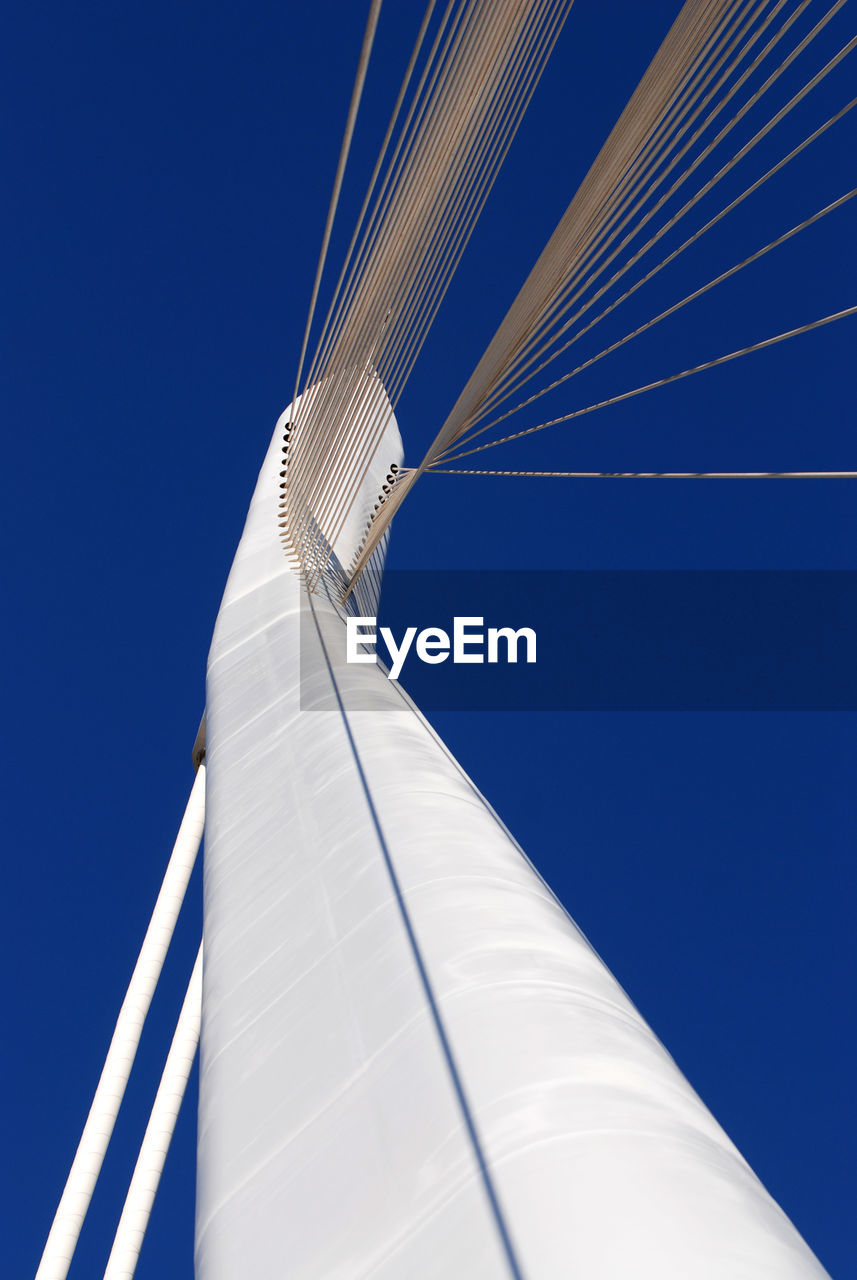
88,1159
128,1241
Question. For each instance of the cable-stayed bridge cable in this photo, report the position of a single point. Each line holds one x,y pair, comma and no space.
663,315
482,68
492,393
664,382
356,93
651,475
710,54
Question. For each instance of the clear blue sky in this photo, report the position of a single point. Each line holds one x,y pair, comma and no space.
167,169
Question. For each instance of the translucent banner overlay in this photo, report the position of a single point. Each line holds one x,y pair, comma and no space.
600,640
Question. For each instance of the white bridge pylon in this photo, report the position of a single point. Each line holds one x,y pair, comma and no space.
412,1061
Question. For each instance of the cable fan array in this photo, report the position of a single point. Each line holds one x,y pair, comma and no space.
720,61
468,82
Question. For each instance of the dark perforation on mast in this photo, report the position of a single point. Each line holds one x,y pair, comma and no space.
386,490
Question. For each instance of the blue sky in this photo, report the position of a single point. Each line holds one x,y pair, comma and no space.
167,174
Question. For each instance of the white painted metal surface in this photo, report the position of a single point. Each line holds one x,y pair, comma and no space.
413,1064
134,1219
89,1157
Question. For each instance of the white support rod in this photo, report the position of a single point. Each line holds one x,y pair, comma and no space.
88,1159
134,1220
